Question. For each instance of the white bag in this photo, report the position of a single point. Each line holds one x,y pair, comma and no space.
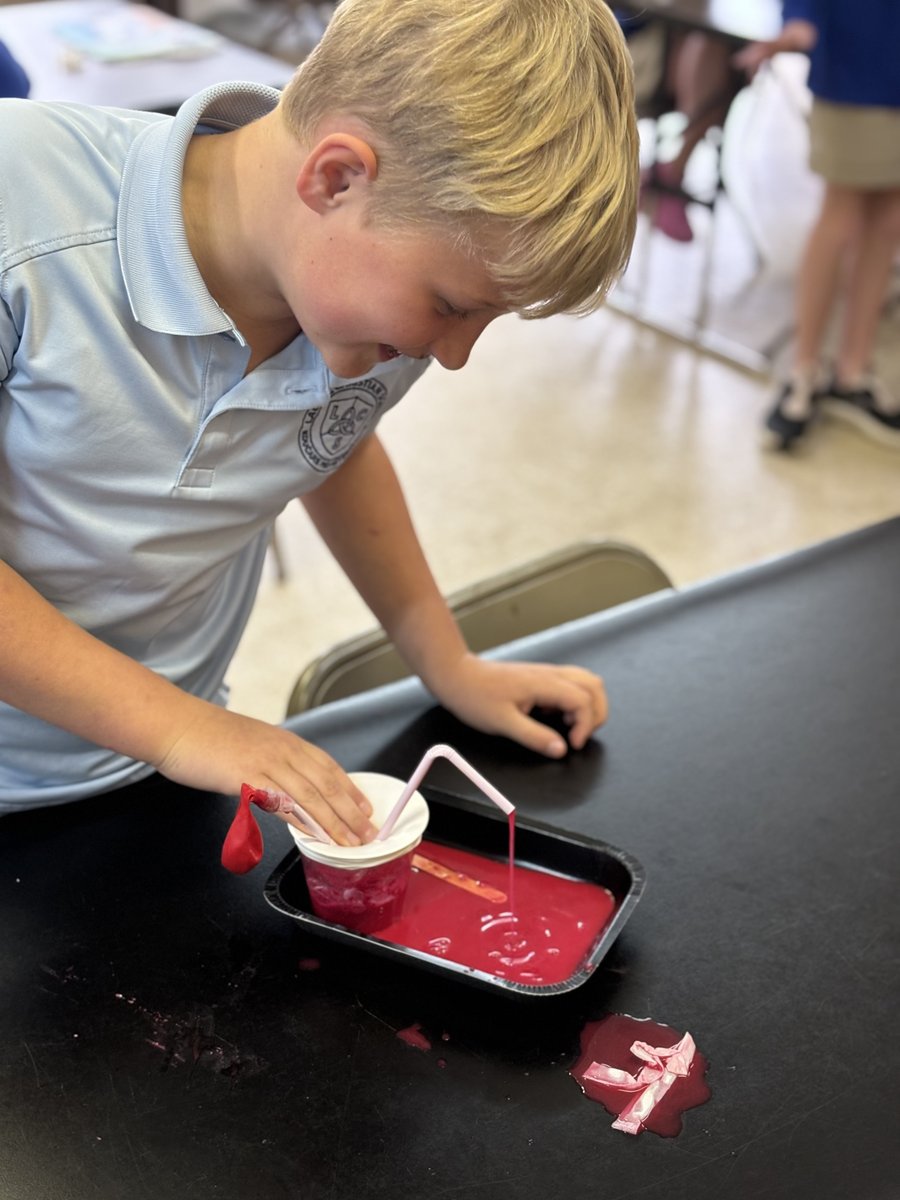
765,162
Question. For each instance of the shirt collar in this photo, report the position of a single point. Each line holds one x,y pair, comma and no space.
165,287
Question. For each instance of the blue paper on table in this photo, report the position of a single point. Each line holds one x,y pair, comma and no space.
137,33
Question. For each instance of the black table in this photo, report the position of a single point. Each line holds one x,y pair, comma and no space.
154,84
161,1035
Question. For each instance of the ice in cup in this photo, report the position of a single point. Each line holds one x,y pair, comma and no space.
363,887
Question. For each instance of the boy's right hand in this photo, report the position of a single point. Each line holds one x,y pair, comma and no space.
101,695
219,751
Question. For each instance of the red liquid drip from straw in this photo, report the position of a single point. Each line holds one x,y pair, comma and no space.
609,1041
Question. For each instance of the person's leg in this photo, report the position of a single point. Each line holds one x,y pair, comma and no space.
867,287
837,228
855,395
702,83
703,86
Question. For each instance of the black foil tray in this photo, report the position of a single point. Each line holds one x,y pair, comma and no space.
485,831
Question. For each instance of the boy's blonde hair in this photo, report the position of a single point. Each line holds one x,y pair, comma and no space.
509,117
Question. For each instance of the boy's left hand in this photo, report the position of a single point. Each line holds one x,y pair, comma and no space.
496,697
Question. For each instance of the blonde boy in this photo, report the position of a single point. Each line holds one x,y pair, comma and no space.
203,317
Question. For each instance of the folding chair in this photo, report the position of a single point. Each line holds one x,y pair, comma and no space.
575,581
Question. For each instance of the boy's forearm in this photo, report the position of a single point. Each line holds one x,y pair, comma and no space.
54,670
362,516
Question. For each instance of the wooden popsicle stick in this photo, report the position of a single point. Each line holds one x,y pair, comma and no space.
482,890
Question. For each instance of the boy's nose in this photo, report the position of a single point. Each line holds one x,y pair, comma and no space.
453,347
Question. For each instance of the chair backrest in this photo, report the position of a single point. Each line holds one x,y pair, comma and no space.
575,581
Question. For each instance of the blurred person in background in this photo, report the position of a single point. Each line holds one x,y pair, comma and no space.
690,73
855,147
13,80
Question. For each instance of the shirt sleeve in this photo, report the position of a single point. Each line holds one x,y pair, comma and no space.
5,355
801,10
13,80
13,83
9,340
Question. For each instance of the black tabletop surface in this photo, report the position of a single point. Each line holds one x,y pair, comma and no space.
164,1033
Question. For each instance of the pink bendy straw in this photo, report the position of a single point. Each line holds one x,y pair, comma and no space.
416,778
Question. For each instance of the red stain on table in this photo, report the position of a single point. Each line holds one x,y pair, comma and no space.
609,1042
413,1036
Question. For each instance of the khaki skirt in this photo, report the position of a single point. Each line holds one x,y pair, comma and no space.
854,145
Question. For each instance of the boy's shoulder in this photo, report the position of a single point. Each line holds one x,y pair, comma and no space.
63,166
66,137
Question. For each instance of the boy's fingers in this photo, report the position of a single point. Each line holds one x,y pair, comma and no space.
579,695
329,778
319,786
581,699
337,810
537,737
581,729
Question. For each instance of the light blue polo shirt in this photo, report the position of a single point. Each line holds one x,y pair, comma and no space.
139,471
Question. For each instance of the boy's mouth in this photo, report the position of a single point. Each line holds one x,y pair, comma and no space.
388,352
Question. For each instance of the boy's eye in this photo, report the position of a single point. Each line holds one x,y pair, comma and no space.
450,310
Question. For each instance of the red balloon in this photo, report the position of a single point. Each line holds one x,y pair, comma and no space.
243,846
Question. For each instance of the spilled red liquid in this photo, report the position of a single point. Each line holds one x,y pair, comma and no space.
413,1036
542,937
609,1041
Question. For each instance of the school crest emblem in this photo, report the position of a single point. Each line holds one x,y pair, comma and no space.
329,433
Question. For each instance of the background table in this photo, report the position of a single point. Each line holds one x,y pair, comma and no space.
736,20
161,1035
152,84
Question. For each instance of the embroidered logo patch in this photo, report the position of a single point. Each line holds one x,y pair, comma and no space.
329,433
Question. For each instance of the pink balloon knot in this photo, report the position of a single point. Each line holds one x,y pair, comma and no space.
664,1065
269,802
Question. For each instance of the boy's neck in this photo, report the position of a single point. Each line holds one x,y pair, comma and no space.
233,191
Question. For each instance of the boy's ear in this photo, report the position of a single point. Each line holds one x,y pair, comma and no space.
334,165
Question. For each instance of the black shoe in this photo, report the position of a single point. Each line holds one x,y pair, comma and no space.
794,410
869,407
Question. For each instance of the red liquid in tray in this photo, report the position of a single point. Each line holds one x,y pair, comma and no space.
540,935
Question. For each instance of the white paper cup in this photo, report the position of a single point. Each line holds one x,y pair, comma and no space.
363,887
